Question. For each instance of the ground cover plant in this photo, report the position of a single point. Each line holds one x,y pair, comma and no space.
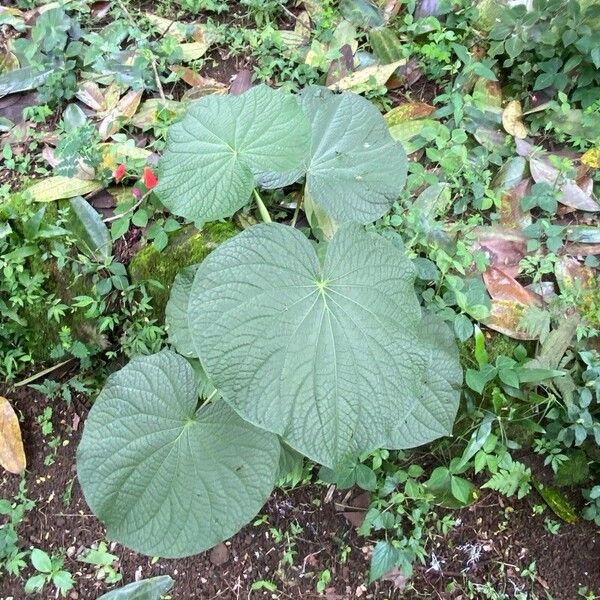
299,299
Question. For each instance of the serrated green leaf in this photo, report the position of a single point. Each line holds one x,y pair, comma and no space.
336,359
90,228
147,589
176,312
356,170
206,172
166,478
383,560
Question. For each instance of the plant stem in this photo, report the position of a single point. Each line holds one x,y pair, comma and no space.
262,209
296,212
134,207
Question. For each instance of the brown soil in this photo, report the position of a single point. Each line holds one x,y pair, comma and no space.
503,533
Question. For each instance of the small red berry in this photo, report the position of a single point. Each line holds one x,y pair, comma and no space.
119,173
150,179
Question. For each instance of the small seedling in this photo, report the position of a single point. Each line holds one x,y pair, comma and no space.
50,570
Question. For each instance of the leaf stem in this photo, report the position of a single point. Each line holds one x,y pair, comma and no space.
262,209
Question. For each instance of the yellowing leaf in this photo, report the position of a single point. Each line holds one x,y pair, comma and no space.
12,454
151,110
378,74
511,120
407,112
196,80
120,114
59,187
193,50
592,158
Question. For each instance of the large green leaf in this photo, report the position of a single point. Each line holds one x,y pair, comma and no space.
207,170
356,170
147,589
165,477
176,312
335,358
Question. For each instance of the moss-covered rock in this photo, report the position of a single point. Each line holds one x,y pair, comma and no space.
186,247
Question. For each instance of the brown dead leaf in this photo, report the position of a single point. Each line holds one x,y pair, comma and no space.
511,119
91,95
511,213
571,275
509,302
501,286
504,247
202,86
12,453
241,82
376,73
505,316
120,114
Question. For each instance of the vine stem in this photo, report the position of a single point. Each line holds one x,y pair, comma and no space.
262,209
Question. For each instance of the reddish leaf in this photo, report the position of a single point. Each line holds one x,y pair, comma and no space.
504,247
501,286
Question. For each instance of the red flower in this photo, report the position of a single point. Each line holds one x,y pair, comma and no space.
119,173
150,179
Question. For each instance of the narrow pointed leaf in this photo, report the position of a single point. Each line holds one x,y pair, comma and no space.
90,228
166,478
336,359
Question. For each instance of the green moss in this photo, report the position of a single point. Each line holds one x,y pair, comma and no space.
186,247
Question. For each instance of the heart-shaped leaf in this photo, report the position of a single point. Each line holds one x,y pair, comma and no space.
168,478
356,170
206,172
334,357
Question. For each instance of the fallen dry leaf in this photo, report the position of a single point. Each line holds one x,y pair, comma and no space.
377,73
543,171
504,247
511,119
509,302
120,113
12,453
571,275
407,112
